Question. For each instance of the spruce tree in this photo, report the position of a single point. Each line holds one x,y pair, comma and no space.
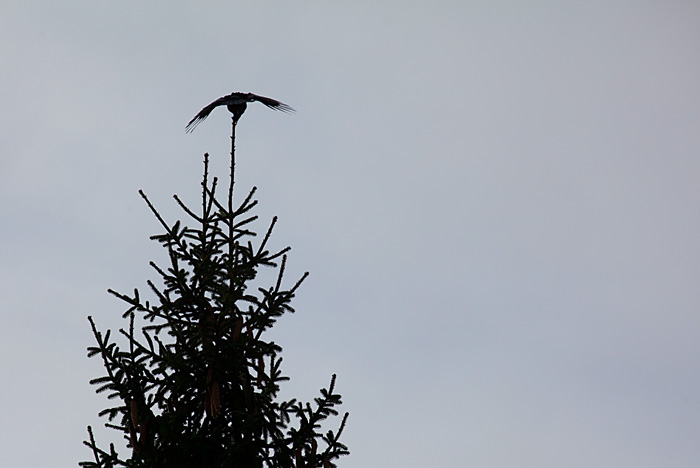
193,378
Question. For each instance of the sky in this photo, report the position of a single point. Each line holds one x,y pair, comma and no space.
497,203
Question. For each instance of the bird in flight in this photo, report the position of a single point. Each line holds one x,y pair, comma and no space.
236,104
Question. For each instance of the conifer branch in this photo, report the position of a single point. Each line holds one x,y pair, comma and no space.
184,207
198,386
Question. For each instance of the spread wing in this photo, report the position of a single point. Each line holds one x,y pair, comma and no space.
273,104
204,113
235,99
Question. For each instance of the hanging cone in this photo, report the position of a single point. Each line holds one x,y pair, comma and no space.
212,400
298,458
134,410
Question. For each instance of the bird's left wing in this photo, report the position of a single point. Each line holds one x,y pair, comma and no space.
272,103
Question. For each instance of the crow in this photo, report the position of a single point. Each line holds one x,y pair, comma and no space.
236,104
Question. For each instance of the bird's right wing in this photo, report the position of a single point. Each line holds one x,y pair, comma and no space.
203,114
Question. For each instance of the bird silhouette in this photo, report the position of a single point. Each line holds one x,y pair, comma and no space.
236,104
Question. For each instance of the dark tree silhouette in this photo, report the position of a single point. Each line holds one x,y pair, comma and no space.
198,386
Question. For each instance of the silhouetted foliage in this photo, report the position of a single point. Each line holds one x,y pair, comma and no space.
196,385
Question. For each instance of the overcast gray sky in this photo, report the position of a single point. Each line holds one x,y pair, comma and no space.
497,202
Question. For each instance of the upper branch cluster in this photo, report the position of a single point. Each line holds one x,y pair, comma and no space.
198,385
